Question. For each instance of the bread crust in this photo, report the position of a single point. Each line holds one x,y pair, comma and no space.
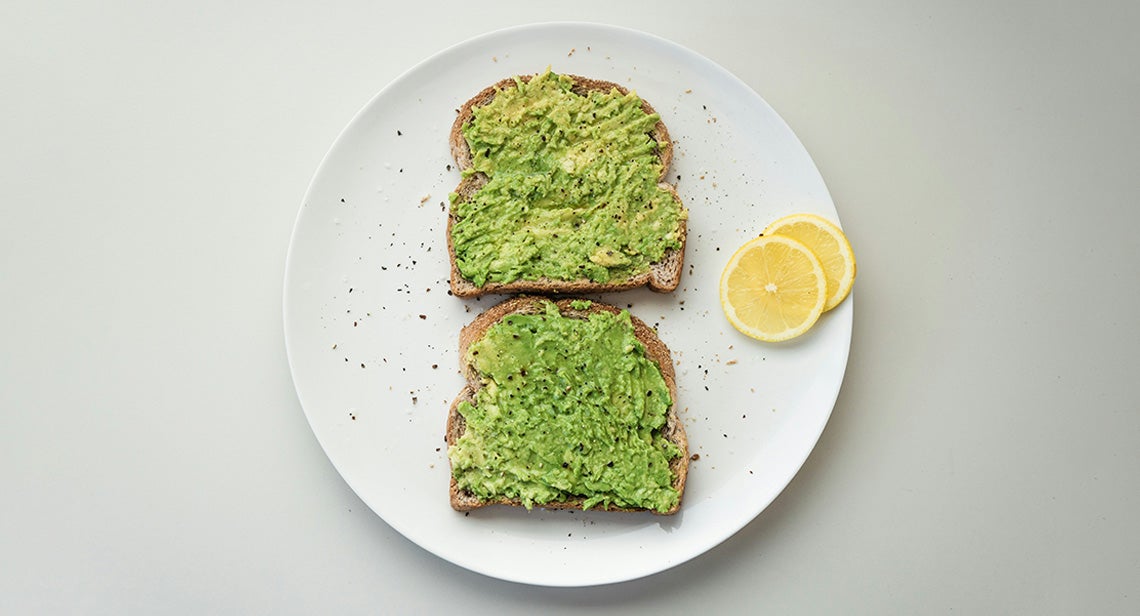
663,276
655,350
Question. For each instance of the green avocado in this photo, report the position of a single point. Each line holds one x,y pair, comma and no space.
572,187
568,408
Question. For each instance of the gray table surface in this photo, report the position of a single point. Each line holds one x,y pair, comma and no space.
984,452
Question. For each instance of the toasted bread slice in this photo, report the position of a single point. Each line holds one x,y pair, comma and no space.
655,350
663,275
582,86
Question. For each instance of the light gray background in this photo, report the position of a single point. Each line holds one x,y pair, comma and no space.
984,452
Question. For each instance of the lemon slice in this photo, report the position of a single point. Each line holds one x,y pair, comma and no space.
773,288
828,243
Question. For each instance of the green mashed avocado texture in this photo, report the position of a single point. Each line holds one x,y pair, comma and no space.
572,188
568,409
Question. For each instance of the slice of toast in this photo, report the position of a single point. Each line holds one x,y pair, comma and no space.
663,275
655,350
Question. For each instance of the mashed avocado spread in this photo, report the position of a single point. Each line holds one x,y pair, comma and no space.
573,187
568,408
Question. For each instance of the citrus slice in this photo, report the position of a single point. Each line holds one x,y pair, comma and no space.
828,243
773,288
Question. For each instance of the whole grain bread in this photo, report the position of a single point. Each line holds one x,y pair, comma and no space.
663,276
655,350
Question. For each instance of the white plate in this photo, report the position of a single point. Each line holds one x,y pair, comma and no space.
372,332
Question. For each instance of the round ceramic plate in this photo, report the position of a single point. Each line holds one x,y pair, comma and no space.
372,332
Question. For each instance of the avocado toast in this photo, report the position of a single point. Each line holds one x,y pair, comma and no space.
563,191
568,404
